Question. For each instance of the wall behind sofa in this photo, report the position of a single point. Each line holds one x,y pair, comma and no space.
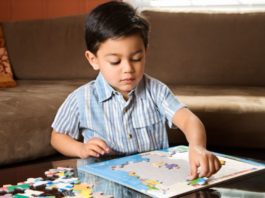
17,10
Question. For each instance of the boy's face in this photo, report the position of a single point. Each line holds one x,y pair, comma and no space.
121,61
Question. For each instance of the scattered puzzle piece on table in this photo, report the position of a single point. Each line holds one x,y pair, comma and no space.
60,172
84,190
14,188
60,182
6,196
33,192
3,189
69,194
20,196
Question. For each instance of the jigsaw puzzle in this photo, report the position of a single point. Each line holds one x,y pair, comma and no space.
164,173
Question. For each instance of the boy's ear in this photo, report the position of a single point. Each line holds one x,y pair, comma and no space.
92,59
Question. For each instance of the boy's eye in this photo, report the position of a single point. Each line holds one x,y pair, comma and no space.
136,59
115,62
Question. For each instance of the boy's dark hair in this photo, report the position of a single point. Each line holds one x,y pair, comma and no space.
114,19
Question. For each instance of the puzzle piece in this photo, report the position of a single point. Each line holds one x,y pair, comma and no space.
82,186
33,180
222,162
29,193
73,180
83,189
6,196
171,166
12,188
182,149
158,164
68,194
59,172
33,192
20,196
59,183
3,189
199,181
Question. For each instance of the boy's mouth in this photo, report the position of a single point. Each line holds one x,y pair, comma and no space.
128,80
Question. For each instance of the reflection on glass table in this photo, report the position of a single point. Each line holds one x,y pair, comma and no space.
105,186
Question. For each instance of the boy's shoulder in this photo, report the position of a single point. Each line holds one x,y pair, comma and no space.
153,82
84,88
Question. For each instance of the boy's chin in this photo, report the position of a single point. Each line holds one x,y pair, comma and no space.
125,91
129,90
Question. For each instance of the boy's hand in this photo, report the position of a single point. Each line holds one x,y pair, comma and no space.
94,148
202,162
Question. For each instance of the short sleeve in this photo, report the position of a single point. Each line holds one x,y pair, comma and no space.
167,103
67,119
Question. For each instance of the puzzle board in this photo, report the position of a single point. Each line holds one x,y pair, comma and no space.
163,173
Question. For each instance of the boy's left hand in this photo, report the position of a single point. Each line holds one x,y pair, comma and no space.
203,163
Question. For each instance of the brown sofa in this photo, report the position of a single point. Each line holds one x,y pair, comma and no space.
213,62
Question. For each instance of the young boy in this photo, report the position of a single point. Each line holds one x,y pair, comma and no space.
124,111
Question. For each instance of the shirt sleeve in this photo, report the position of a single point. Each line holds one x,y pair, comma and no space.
67,119
167,103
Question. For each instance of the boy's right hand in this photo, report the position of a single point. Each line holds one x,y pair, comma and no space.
95,147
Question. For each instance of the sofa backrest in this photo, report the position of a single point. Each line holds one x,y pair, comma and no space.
207,48
184,49
48,49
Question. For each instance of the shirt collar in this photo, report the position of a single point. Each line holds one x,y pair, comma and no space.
140,91
105,91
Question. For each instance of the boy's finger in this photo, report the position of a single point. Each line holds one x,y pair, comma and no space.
96,149
102,144
217,165
101,148
193,171
214,166
211,169
204,167
93,153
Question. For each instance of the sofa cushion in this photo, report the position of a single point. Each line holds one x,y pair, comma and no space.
233,116
27,112
207,48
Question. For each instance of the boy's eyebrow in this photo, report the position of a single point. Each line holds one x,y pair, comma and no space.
115,54
137,52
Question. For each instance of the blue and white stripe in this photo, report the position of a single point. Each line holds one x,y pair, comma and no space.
135,125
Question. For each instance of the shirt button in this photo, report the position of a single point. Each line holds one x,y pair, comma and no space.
130,136
125,110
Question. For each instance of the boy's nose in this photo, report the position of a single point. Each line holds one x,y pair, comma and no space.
128,67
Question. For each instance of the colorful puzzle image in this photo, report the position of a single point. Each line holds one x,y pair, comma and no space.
164,173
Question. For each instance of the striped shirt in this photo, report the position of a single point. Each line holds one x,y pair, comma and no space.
136,125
